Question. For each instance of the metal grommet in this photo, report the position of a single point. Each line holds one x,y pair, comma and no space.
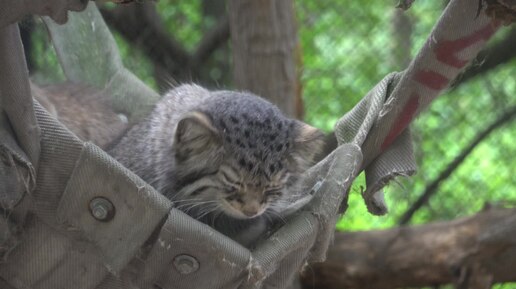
185,264
102,209
316,187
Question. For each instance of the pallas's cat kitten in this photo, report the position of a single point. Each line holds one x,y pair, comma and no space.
229,159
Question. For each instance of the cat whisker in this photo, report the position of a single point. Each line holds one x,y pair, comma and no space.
208,211
190,206
194,201
188,203
184,199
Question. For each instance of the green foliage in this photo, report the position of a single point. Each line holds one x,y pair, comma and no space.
508,285
486,176
135,61
183,20
347,50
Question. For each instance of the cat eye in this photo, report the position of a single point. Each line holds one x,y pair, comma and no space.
235,198
230,190
272,192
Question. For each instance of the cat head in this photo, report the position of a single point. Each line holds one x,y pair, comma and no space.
243,160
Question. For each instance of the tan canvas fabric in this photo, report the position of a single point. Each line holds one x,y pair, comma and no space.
15,10
93,59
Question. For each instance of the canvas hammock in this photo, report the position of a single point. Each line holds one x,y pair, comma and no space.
49,236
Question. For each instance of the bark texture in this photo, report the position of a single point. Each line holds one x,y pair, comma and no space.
140,24
265,51
471,252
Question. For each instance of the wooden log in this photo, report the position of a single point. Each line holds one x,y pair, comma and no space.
470,252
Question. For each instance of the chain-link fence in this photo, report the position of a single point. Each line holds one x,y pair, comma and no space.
464,142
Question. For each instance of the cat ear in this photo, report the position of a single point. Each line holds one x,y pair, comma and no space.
195,135
308,143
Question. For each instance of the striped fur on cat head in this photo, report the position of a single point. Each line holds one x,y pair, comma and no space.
237,154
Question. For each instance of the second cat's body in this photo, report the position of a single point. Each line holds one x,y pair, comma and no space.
227,158
84,110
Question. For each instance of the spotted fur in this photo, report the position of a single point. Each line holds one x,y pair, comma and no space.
228,158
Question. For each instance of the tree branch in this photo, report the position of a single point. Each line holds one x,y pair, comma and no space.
431,189
475,250
212,40
141,25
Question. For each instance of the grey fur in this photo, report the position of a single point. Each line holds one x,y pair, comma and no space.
235,130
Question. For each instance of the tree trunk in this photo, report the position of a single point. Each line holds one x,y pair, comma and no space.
265,51
471,252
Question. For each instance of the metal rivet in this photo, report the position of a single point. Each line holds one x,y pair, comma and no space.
102,209
186,264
